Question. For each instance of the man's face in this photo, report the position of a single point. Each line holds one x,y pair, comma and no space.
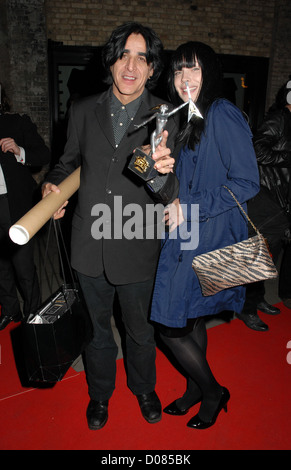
131,72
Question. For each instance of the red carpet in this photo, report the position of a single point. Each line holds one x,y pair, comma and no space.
252,365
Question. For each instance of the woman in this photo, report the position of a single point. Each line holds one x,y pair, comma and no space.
212,152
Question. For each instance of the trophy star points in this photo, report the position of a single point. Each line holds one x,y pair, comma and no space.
193,110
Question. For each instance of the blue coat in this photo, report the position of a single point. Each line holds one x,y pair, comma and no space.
224,156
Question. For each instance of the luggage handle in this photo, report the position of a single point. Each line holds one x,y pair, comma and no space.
59,236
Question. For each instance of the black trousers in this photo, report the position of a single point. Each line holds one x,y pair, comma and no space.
272,222
17,270
100,356
285,273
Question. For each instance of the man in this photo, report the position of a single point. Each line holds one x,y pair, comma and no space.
102,135
270,209
21,147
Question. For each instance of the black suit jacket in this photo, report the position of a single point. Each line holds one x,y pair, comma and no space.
105,183
18,177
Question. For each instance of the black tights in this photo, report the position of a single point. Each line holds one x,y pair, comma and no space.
190,352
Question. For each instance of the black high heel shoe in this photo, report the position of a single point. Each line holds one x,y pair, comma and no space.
197,423
173,409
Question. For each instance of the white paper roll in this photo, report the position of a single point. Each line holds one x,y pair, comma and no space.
26,227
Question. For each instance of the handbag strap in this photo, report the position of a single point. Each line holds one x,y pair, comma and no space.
242,210
247,217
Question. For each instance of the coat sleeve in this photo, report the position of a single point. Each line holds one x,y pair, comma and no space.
36,152
71,158
270,142
165,188
230,161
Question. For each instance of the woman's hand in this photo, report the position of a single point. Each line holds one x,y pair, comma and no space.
162,156
173,215
48,188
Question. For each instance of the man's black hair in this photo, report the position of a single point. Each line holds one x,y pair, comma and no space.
114,48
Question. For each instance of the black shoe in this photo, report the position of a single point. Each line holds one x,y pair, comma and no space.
265,307
175,410
287,302
97,414
6,319
253,321
150,406
198,423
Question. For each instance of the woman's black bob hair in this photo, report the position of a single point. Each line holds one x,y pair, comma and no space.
187,55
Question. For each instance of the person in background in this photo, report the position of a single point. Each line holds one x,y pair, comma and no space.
270,209
102,136
211,152
21,148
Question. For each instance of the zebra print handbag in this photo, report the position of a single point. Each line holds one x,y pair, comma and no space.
235,265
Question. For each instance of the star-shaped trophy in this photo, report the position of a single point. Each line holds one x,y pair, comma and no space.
142,163
192,106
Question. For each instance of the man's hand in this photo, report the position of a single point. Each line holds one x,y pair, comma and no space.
9,145
48,188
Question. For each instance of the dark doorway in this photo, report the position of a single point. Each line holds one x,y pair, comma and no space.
245,80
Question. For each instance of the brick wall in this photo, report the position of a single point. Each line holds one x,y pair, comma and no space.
242,27
24,72
280,53
230,26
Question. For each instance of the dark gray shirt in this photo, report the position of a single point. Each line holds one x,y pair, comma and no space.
122,115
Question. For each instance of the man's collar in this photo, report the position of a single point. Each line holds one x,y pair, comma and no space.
131,107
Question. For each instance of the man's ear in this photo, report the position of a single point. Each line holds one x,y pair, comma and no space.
151,72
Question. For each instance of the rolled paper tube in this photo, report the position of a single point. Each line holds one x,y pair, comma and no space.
26,227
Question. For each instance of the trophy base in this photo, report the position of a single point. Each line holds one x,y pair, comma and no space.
143,165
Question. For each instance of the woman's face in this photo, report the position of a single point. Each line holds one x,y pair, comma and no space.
191,75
